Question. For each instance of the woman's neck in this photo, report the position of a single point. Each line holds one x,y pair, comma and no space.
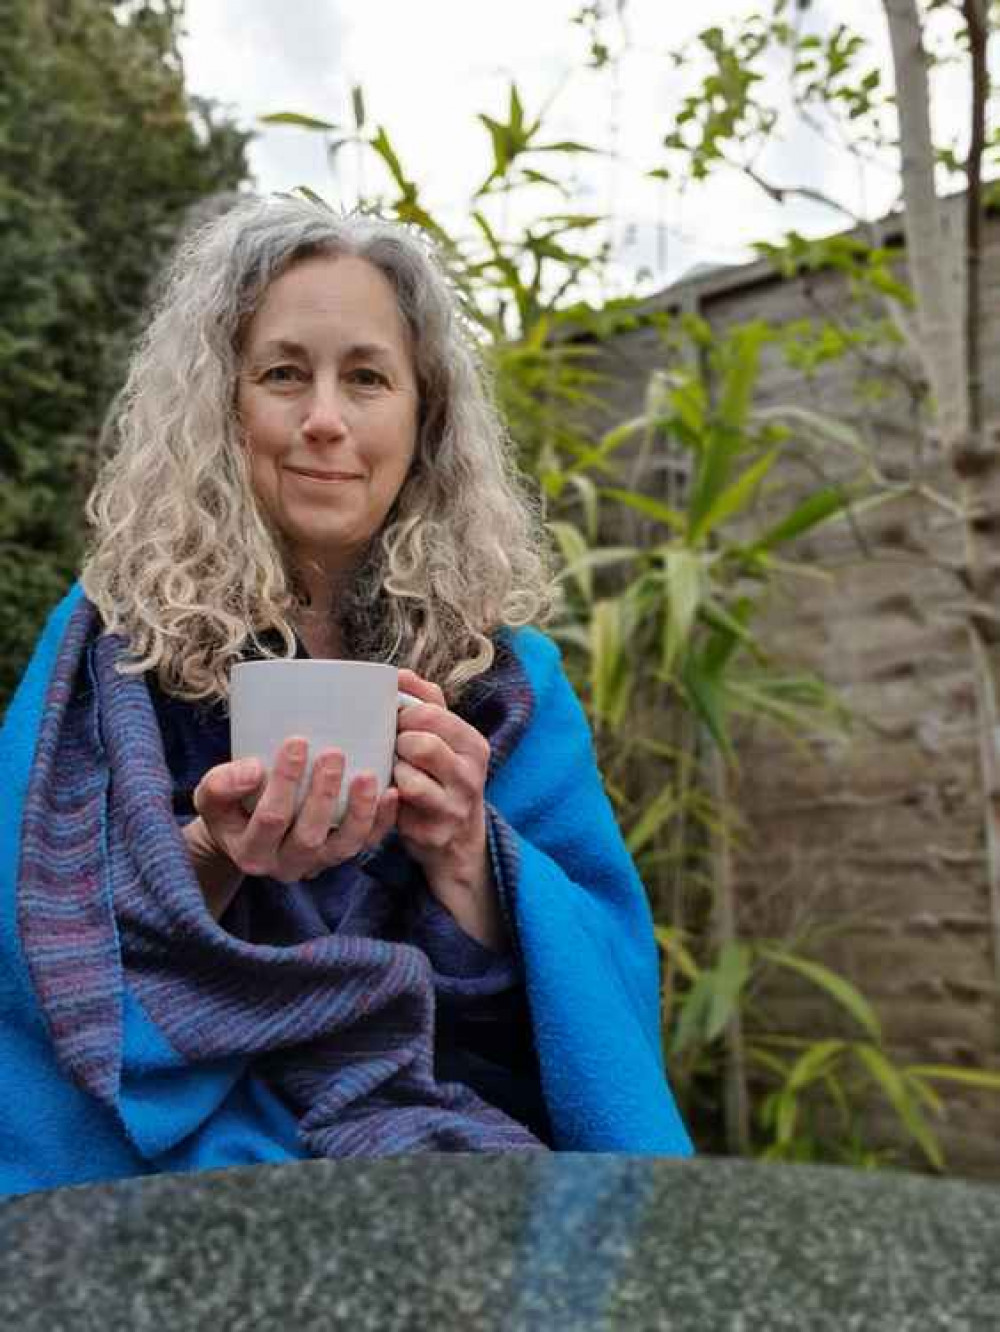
315,621
320,633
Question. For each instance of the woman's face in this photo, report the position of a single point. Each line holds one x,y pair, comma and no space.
327,398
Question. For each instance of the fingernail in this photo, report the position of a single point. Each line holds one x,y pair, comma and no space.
247,771
297,751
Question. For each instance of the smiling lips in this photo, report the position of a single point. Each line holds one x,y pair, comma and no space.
323,476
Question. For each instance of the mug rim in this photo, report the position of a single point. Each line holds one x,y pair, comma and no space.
339,662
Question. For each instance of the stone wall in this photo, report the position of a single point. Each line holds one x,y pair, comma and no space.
880,835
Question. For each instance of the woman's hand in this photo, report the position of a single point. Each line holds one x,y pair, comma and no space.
227,843
440,774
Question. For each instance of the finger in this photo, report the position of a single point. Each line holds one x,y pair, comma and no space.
385,817
413,827
218,797
418,791
276,807
457,734
312,826
428,692
431,755
359,818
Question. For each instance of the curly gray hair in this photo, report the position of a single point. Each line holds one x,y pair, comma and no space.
184,562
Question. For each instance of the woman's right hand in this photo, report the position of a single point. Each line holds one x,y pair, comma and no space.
227,843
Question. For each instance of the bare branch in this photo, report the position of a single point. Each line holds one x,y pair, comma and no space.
975,18
781,193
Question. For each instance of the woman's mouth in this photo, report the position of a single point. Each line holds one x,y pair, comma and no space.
312,474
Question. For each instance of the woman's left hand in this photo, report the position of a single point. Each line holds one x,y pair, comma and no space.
440,774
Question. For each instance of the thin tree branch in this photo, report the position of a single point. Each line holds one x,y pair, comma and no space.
781,193
976,20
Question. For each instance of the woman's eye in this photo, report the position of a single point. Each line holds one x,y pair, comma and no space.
283,374
368,377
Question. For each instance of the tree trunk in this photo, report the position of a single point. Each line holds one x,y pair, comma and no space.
939,287
949,332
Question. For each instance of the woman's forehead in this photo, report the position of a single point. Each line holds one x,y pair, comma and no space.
343,298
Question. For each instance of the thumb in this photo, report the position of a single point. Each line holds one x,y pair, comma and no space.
218,797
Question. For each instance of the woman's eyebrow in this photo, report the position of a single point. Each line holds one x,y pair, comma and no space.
362,350
278,347
356,351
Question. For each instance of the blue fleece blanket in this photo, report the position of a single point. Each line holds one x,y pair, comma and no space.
136,1035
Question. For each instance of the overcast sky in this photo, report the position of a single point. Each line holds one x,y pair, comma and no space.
427,68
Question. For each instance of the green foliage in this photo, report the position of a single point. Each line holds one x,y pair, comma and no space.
682,619
868,268
811,1096
101,155
724,109
737,106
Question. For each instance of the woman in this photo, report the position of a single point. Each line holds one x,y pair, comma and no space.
306,463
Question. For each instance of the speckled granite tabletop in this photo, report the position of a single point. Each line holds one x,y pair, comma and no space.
549,1243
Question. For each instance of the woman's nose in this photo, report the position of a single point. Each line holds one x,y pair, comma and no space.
324,417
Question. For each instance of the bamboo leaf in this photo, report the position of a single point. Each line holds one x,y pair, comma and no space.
502,154
798,706
658,812
730,975
611,674
311,195
295,118
825,427
573,547
693,1014
382,145
814,1063
684,574
516,112
690,403
358,104
741,376
729,632
645,504
887,1076
839,989
969,1077
604,557
924,1092
621,434
810,513
717,452
786,1117
767,1060
587,491
564,146
670,940
707,703
735,498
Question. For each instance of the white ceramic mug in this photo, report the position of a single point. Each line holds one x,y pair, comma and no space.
346,705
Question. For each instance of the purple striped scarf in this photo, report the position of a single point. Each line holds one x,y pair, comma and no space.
342,1027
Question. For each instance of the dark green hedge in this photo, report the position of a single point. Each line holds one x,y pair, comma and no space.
102,155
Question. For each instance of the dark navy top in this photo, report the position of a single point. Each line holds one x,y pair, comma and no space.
483,1027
